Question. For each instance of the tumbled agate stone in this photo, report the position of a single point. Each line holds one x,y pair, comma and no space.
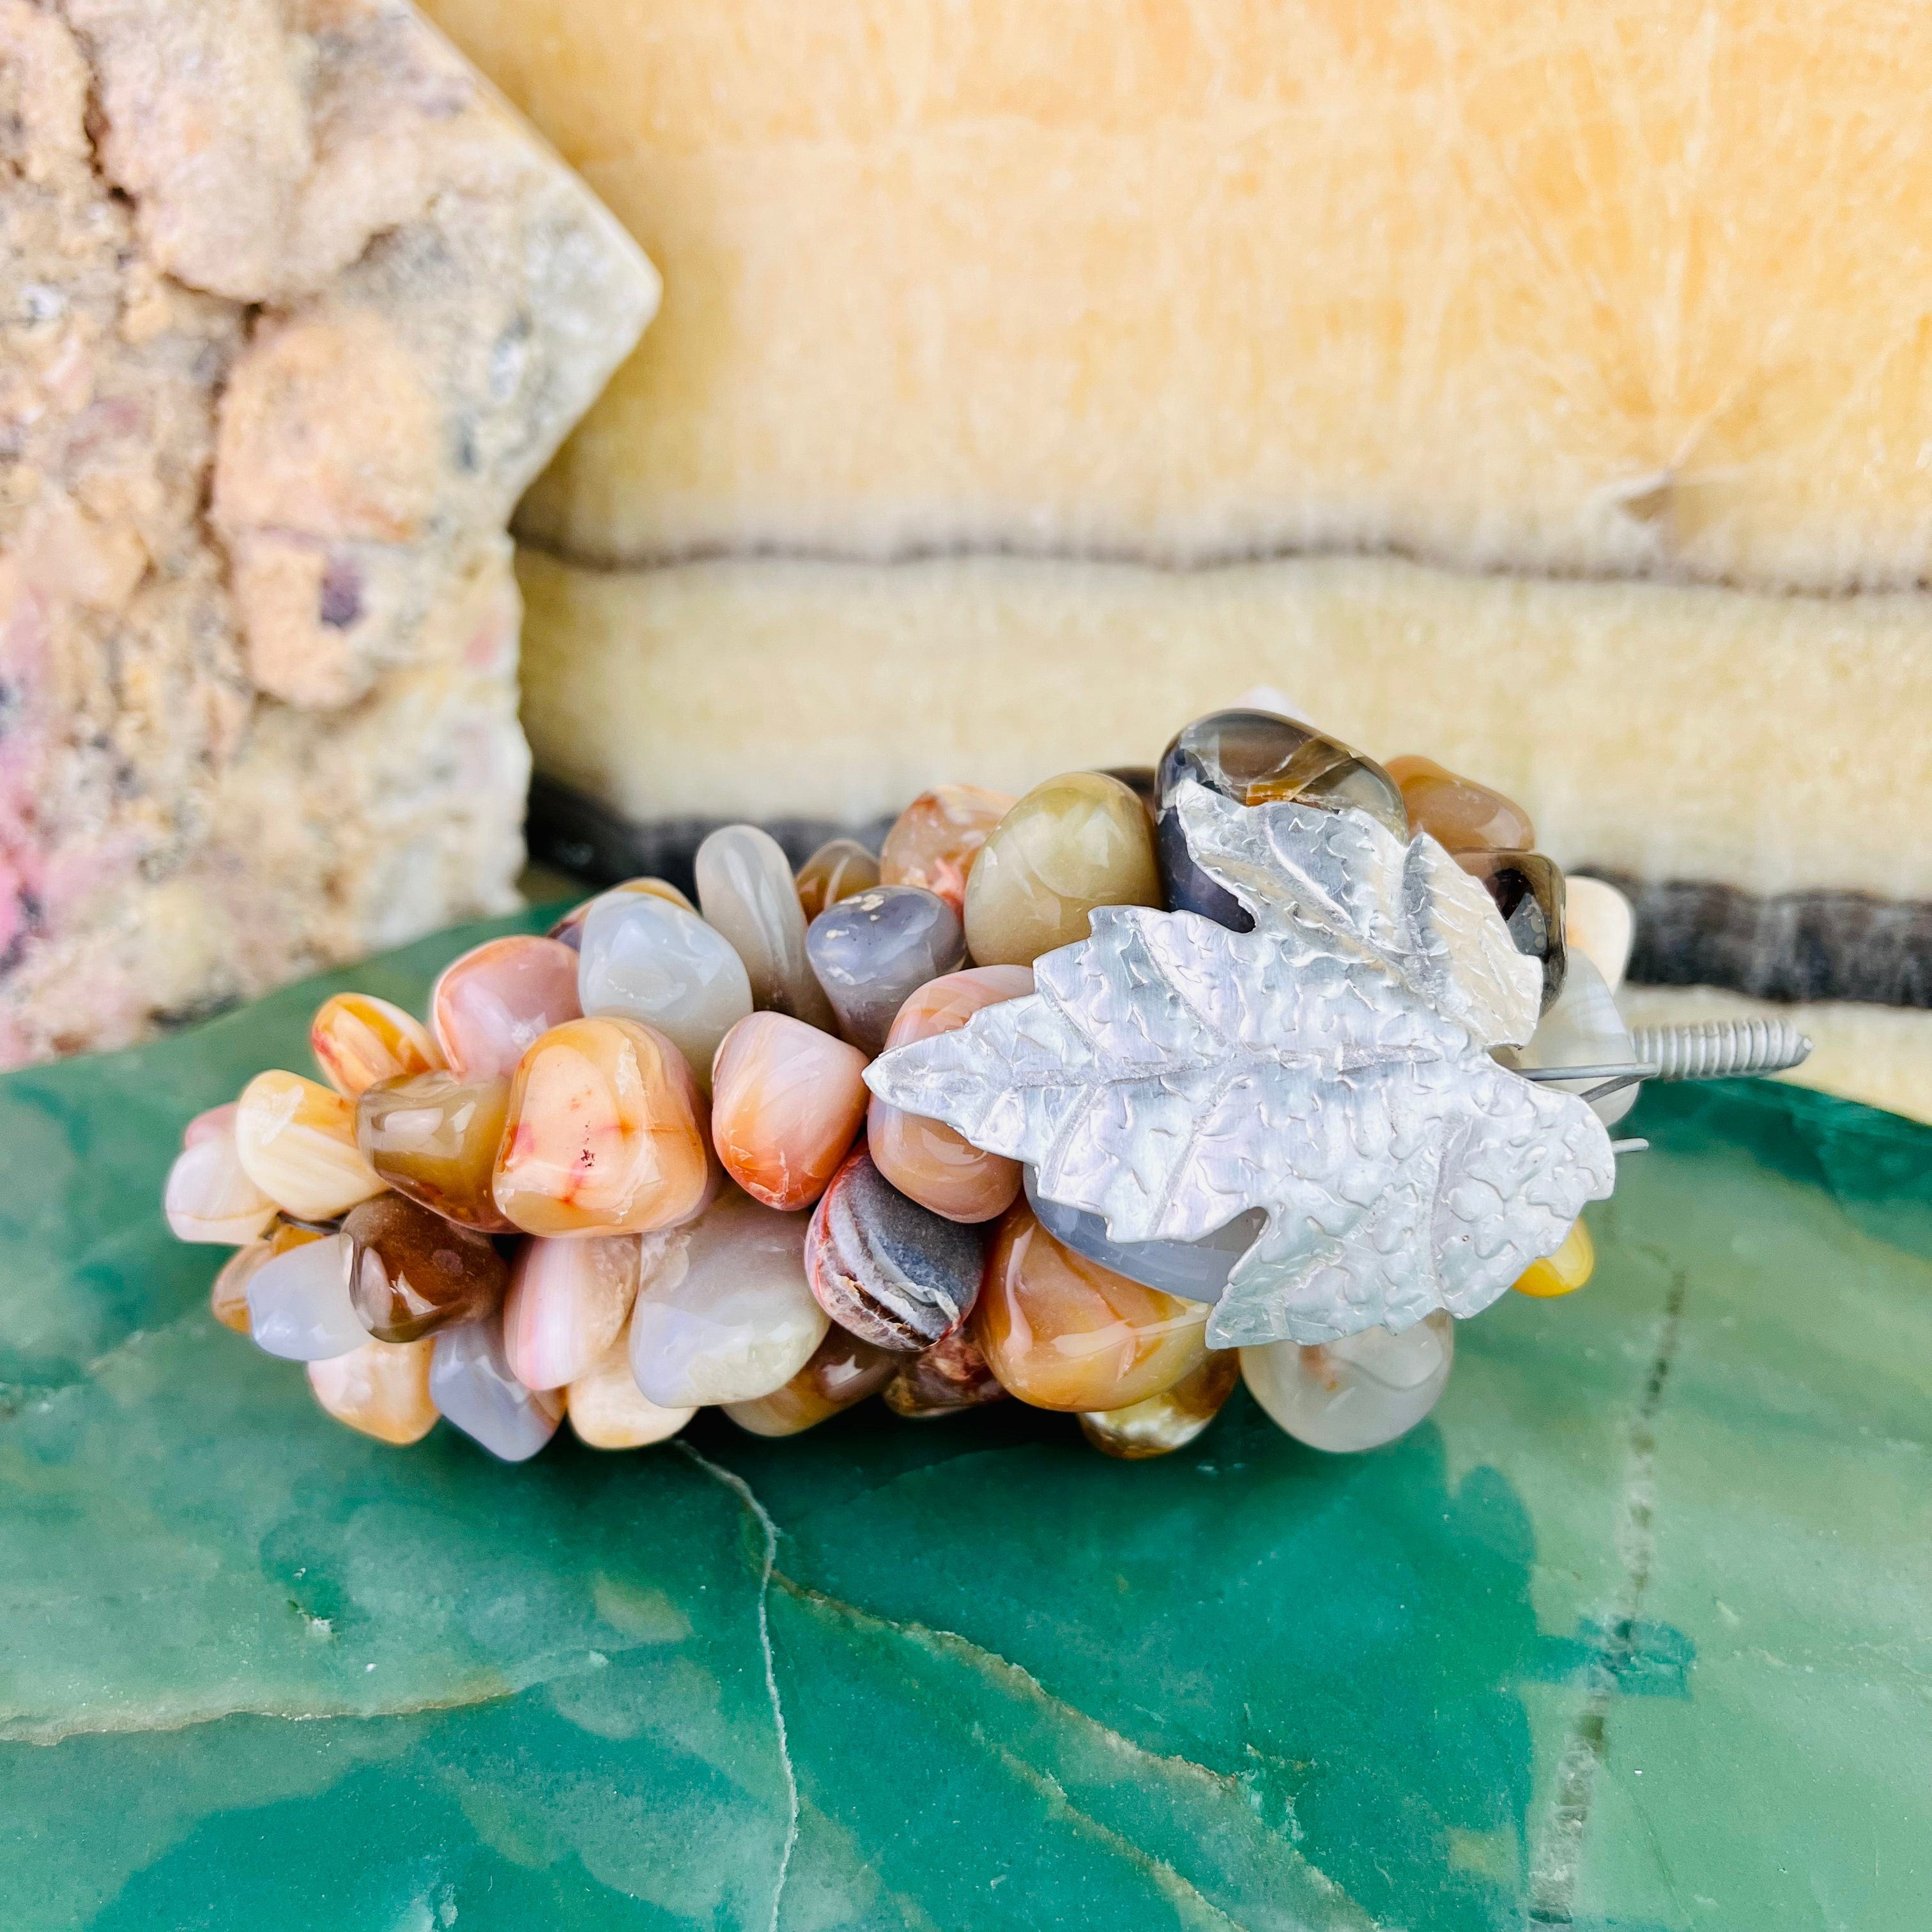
786,1101
1254,757
381,1389
952,1376
1527,890
642,958
569,929
745,887
434,1137
723,1312
1562,1272
1160,1423
298,1303
843,1370
1583,1028
358,1040
934,842
489,1006
934,1164
209,1197
605,1133
1197,1270
872,951
1062,1332
608,1411
228,1297
296,1141
839,868
891,1272
471,1384
1459,814
211,1124
1072,844
411,1272
1357,1393
568,1302
1598,921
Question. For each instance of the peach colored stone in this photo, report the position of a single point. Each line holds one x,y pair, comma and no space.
934,841
568,1303
1459,814
212,1124
938,1167
605,1135
608,1411
358,1040
381,1389
489,1006
786,1101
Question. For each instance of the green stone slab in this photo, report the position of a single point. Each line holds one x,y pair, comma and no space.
1636,1632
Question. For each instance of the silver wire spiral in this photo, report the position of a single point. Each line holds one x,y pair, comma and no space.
1720,1049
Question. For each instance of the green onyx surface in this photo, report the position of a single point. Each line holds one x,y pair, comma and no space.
1635,1632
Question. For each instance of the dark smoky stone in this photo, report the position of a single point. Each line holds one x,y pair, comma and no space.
1256,757
411,1273
1527,890
950,1376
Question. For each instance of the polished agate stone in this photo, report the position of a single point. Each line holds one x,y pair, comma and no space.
1356,1393
1143,781
472,1384
1254,756
839,869
843,1370
211,1124
608,1411
489,1006
1582,1028
411,1272
893,1273
871,952
934,842
298,1303
209,1196
605,1134
723,1312
296,1141
934,1164
1159,1424
1072,844
1562,1272
950,1377
434,1137
644,959
744,887
228,1298
1459,814
1528,892
568,930
1598,921
358,1040
1196,1270
786,1101
1061,1332
381,1389
568,1303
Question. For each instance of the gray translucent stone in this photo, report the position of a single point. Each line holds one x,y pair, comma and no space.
1358,1392
746,890
1582,1029
1197,1270
471,1383
643,958
872,951
299,1307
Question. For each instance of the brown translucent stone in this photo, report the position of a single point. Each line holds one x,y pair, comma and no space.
934,841
839,869
943,1380
606,1134
434,1137
380,1389
843,1370
1459,814
358,1040
411,1272
1161,1423
1528,892
1062,1332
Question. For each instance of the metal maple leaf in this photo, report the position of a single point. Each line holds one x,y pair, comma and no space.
1331,1067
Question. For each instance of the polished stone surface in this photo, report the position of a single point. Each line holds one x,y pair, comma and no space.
1630,1633
872,951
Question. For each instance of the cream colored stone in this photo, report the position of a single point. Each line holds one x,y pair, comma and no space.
608,1410
296,1142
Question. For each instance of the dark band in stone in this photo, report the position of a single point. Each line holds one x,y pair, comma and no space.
1790,946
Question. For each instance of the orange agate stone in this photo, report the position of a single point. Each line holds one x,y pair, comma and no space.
934,841
786,1101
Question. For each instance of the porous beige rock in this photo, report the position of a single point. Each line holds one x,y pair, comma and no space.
291,309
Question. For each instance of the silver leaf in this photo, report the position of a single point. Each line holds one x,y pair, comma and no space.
1331,1068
